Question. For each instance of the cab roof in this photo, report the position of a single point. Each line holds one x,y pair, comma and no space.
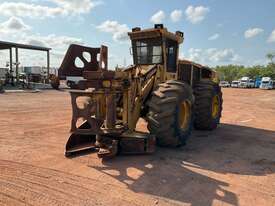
158,31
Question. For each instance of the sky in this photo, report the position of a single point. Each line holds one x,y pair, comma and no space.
217,32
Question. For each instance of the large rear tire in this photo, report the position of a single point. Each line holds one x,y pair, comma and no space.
170,115
208,105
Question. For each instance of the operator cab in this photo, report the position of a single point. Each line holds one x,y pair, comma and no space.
156,46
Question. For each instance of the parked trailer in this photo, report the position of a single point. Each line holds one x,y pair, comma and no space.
34,73
235,84
267,83
251,83
246,82
258,81
224,84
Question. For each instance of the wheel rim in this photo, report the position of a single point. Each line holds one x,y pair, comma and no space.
215,106
184,115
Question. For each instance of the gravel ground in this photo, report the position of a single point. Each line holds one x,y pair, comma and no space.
233,165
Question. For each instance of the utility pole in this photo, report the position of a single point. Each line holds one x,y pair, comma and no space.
11,71
16,65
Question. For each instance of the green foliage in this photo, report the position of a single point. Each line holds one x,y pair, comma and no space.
235,72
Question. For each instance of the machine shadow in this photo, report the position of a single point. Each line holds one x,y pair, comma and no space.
193,174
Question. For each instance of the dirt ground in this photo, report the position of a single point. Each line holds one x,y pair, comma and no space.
233,165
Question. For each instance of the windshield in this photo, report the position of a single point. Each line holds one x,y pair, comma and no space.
147,51
265,82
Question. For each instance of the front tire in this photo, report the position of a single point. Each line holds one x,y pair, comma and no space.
170,115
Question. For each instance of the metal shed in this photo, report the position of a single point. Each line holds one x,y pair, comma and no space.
11,45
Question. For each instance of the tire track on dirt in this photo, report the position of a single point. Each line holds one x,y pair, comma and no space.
41,186
4,199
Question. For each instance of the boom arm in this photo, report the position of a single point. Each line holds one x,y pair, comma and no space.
115,98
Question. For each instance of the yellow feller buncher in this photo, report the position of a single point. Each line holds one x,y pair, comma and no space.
172,95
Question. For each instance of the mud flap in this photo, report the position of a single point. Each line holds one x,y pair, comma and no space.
80,142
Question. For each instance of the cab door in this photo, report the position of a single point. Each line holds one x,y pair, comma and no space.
172,55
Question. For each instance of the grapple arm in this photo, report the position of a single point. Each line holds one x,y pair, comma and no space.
112,110
93,59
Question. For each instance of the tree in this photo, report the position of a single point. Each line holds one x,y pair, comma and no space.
270,56
235,72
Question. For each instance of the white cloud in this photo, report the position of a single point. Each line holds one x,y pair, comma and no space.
176,15
119,31
196,14
222,55
14,29
62,7
195,54
158,17
256,62
271,38
29,10
77,6
252,32
35,58
212,56
214,37
52,40
181,55
13,25
59,44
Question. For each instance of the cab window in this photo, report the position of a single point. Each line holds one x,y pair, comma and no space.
147,51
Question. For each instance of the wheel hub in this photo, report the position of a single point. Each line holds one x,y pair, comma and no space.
184,115
215,106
